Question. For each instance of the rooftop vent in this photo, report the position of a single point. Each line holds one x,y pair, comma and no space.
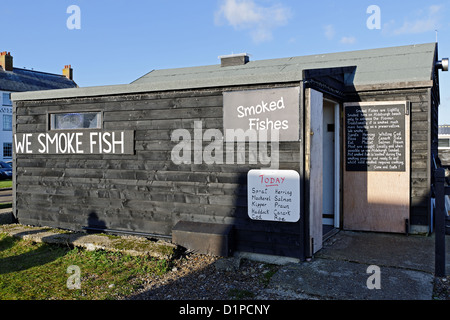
234,59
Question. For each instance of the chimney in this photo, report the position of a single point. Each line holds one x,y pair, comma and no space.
234,60
68,72
6,61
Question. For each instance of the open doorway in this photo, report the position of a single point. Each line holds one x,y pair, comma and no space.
331,167
323,166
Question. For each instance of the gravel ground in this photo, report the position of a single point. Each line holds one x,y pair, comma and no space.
201,277
442,288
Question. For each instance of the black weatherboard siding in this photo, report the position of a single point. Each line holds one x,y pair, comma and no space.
146,192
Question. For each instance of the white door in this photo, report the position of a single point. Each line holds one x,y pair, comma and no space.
314,165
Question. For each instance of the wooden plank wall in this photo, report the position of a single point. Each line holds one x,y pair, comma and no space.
145,192
420,145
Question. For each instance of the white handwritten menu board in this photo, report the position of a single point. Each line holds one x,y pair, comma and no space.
375,137
274,195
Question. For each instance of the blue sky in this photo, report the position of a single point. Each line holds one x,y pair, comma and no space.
119,41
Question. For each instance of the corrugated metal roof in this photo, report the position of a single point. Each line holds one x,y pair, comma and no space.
413,63
20,80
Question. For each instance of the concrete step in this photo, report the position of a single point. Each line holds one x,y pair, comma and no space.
6,216
135,246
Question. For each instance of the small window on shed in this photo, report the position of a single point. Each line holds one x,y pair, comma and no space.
444,143
75,120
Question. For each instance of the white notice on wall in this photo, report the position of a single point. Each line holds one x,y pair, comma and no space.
274,195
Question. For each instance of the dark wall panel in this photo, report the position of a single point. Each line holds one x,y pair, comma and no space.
145,192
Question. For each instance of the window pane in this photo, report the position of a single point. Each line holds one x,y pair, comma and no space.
7,150
444,143
7,122
6,100
68,121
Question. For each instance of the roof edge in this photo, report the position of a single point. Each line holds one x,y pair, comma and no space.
394,85
135,88
147,88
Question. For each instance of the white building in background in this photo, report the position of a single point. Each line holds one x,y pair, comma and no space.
444,144
5,126
19,80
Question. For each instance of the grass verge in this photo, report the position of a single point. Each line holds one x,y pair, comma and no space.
5,184
39,271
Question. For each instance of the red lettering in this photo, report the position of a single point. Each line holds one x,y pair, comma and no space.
271,181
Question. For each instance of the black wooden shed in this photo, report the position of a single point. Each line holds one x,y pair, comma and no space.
348,146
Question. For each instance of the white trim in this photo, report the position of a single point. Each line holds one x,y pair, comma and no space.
52,120
337,165
234,55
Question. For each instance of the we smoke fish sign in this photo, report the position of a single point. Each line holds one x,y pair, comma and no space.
75,142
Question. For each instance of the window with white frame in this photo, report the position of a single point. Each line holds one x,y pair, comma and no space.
6,99
75,120
444,142
7,122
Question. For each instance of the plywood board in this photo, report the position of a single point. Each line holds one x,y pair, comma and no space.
376,200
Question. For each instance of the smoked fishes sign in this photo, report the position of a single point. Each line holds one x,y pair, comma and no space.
274,195
75,142
264,111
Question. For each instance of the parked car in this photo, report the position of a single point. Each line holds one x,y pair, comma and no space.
5,171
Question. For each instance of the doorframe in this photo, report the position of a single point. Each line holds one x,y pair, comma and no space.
337,161
332,83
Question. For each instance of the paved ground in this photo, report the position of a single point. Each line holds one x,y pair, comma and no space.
340,270
399,267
